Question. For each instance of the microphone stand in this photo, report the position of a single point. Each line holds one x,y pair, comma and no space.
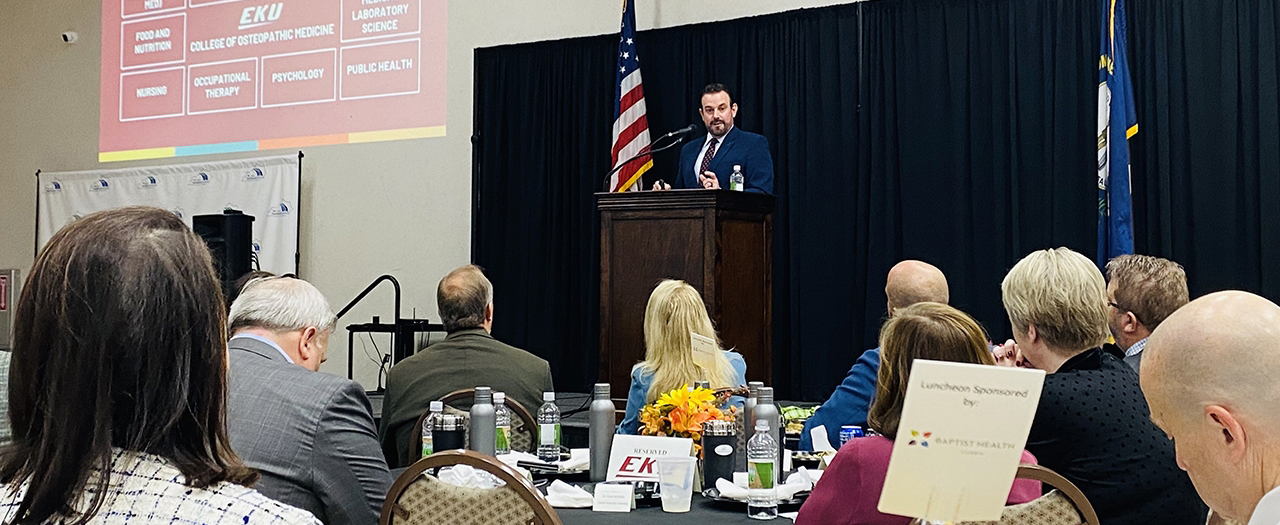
647,151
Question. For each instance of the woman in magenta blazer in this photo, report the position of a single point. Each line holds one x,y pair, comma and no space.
850,488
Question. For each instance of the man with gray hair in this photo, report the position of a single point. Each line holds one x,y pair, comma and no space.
468,357
310,434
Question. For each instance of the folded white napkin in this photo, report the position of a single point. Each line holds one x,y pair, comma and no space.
514,457
466,476
579,459
805,476
821,442
566,496
785,491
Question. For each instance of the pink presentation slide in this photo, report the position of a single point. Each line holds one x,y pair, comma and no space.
191,77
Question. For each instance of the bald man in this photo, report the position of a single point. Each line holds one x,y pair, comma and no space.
1210,379
909,282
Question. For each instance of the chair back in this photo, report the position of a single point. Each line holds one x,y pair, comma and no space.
418,497
1065,505
524,428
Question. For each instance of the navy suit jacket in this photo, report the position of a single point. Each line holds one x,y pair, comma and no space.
743,148
850,402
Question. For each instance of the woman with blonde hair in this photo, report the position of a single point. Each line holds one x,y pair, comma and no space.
675,309
850,488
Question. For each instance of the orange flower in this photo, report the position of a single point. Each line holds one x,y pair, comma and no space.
679,419
681,413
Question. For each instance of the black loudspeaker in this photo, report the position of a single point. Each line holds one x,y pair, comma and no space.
229,237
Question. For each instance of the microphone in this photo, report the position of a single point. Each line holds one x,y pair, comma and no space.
650,150
680,131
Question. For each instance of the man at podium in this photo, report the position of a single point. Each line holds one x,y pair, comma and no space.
709,163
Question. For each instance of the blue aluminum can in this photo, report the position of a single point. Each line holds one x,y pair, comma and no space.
849,432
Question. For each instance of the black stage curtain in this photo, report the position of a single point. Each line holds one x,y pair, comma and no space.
960,132
1206,159
536,150
976,138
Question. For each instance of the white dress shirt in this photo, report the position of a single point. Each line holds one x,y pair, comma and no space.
267,341
697,163
1268,510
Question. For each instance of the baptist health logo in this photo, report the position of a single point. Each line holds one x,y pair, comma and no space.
147,182
282,209
920,438
199,178
99,185
254,174
53,187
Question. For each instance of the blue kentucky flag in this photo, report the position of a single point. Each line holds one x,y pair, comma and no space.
1117,121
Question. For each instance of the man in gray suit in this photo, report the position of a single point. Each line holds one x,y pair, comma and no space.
310,434
1142,291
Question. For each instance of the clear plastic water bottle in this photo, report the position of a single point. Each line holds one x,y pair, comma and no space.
736,181
502,435
762,462
428,442
549,429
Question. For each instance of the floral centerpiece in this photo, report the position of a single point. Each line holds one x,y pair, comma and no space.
681,413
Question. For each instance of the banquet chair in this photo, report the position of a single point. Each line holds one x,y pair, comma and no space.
418,497
1065,505
524,437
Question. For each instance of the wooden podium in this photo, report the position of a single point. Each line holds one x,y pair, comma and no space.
719,241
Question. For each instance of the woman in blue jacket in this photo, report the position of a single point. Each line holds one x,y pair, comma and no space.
675,309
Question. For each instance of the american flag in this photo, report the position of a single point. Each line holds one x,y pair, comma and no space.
630,125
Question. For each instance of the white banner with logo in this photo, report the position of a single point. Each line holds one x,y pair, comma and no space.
266,188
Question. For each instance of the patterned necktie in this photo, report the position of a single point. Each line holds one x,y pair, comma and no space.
711,153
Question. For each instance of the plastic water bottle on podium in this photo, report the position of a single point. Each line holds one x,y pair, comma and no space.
502,419
762,462
428,439
736,181
549,429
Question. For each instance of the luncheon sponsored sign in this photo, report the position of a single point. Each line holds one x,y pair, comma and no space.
184,77
959,441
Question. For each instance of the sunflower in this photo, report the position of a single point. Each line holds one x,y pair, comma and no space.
684,397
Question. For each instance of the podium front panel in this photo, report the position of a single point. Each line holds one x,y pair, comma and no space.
717,241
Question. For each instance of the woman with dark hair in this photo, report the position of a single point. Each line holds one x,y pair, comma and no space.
120,366
849,490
